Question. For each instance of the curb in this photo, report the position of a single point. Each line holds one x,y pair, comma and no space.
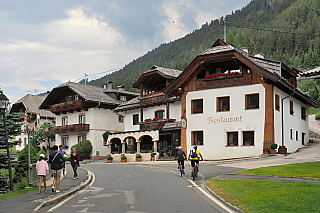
229,205
293,177
67,193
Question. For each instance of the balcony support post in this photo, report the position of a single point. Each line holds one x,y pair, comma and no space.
155,146
109,148
123,147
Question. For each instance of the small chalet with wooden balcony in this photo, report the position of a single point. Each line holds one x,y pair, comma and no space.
153,120
235,105
31,103
85,112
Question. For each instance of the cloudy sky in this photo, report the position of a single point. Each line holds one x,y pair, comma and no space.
45,43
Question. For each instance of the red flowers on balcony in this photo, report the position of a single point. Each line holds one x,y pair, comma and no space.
151,93
65,104
222,74
252,106
153,119
223,108
197,142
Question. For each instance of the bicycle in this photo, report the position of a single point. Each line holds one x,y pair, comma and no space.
180,169
195,172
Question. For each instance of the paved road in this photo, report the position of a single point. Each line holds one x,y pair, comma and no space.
135,188
313,125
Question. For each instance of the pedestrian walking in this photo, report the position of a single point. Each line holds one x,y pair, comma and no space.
74,160
56,166
62,152
43,171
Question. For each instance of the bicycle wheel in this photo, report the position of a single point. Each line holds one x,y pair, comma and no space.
193,174
181,171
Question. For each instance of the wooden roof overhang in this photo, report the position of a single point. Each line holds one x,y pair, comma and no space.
149,79
179,82
16,107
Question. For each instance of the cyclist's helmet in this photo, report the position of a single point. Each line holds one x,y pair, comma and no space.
195,146
180,147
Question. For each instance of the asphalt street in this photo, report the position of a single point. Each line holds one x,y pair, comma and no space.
137,188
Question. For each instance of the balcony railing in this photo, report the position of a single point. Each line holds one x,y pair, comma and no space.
70,106
154,125
70,128
154,98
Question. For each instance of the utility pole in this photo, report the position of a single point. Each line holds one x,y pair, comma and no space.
85,78
225,30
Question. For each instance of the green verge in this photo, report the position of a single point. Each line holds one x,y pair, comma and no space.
17,192
309,169
313,111
268,196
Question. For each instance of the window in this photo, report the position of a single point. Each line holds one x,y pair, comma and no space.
159,114
197,106
82,119
303,113
232,138
303,138
223,104
123,98
76,97
82,138
136,119
197,138
64,121
297,135
252,101
65,140
277,102
24,141
248,138
291,134
291,108
120,118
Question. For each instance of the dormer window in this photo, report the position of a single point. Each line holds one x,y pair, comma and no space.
123,97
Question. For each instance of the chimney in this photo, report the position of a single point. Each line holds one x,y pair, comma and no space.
104,86
244,49
259,55
121,87
109,85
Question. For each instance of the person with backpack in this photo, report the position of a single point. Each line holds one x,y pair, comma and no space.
181,156
194,157
56,167
43,171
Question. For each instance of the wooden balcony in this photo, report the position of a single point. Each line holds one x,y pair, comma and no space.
70,128
154,125
154,99
70,106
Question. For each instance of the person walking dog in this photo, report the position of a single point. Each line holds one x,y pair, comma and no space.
43,171
56,166
74,160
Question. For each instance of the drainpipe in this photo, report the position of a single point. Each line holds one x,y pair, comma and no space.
294,89
95,131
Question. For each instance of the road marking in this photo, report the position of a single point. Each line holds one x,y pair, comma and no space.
211,198
72,196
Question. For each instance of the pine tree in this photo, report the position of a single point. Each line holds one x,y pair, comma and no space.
13,129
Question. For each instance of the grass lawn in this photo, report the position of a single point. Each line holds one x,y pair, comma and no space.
313,110
269,196
309,169
17,192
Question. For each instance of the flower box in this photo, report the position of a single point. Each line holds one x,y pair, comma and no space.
223,108
266,150
273,152
197,110
252,106
222,74
282,150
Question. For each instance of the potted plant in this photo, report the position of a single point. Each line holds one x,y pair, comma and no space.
123,158
273,150
153,154
247,143
282,150
231,143
266,151
138,157
277,107
197,142
165,150
252,106
155,119
223,108
291,112
109,159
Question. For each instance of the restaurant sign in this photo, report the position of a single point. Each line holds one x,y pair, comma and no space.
212,120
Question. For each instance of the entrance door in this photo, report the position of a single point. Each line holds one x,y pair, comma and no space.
175,142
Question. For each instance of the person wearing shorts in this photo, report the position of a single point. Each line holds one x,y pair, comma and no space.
195,160
43,171
62,152
56,167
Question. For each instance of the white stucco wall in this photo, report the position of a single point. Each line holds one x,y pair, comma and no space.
293,122
175,110
215,134
128,120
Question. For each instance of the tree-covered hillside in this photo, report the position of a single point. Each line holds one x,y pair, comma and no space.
284,30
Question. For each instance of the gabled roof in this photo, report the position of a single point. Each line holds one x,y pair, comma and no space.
313,72
88,93
269,68
167,73
31,103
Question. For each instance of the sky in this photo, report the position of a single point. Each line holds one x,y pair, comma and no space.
46,43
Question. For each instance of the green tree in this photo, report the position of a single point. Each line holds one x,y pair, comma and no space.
45,135
22,168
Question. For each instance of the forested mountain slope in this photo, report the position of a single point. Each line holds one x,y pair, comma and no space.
283,30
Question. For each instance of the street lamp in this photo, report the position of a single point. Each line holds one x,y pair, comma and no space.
3,106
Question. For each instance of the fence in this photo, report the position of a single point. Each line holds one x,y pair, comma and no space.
33,175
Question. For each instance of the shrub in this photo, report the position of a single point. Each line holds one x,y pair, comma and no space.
123,157
109,158
318,115
105,135
67,158
23,183
138,156
274,146
84,148
42,152
21,170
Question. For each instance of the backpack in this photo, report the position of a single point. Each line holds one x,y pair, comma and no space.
193,153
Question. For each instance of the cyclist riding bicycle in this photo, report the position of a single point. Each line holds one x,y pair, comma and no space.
194,157
181,156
